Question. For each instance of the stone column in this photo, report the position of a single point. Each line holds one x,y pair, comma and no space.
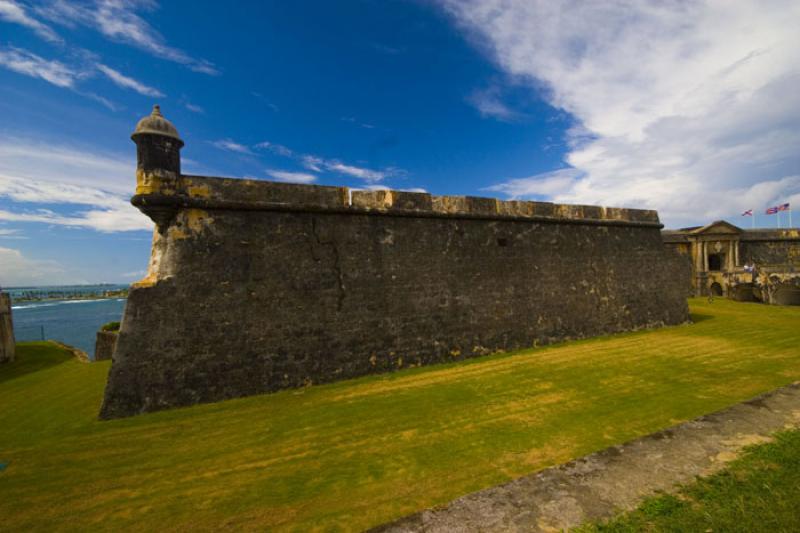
729,259
705,256
736,252
7,345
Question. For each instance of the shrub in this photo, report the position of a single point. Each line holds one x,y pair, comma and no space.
111,326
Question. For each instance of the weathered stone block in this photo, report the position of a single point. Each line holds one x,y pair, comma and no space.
105,344
482,206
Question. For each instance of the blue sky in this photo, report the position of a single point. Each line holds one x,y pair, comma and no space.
688,108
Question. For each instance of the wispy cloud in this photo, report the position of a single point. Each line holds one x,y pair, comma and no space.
70,76
385,188
352,120
316,163
312,162
545,185
30,64
232,146
10,234
292,177
92,189
489,103
365,174
16,13
264,99
127,82
278,149
690,108
119,21
194,108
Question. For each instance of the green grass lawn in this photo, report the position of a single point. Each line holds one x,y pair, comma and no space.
353,454
758,492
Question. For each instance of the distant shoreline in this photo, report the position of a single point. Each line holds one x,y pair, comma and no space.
121,293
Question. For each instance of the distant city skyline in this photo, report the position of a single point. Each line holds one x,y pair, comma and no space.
691,109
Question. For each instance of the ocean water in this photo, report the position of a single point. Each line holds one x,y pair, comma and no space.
73,322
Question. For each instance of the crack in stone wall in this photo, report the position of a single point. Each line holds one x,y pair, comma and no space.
337,268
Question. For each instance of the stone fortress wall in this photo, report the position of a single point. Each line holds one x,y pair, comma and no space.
256,286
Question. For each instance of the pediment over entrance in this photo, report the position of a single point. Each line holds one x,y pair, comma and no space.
719,227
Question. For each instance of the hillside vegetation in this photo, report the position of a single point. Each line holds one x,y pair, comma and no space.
355,454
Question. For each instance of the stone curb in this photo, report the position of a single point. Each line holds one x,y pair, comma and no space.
599,485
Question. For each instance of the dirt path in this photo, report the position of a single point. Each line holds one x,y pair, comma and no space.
599,485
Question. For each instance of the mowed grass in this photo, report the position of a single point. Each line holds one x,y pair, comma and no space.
354,454
758,492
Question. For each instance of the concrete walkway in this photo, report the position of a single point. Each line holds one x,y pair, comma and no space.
599,485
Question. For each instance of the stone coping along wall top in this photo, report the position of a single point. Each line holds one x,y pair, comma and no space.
246,194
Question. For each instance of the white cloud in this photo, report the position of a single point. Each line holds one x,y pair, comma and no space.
14,12
11,234
66,76
129,83
320,164
292,177
194,108
109,213
690,108
365,174
489,103
118,20
278,149
30,64
42,173
352,120
312,162
543,185
385,188
232,146
19,270
40,161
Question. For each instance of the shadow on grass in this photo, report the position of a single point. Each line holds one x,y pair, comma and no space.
33,357
699,317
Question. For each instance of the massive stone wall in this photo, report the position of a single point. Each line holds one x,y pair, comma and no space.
779,247
6,329
256,286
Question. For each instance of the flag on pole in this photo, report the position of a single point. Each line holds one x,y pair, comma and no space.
748,213
776,209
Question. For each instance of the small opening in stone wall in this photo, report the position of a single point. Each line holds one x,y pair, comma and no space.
502,241
716,289
715,262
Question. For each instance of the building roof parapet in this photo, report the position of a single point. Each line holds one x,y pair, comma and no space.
760,234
